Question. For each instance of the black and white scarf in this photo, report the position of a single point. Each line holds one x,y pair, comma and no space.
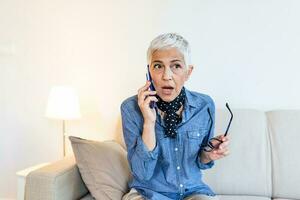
171,119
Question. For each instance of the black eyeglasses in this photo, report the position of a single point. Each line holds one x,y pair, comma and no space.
214,142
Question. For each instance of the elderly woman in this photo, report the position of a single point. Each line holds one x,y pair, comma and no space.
166,143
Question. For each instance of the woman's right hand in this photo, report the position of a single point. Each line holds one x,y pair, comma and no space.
144,100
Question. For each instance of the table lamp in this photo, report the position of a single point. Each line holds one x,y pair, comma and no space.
63,104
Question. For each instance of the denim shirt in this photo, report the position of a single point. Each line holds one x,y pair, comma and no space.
172,170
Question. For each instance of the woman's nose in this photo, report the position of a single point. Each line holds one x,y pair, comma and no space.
167,74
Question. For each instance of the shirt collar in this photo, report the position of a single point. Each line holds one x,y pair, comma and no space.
190,99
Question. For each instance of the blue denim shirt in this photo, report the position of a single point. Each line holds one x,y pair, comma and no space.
172,170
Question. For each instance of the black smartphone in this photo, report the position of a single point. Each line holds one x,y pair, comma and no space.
152,88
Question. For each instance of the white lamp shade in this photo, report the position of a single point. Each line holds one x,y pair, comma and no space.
63,103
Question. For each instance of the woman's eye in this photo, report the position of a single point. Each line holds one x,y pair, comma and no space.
156,66
177,66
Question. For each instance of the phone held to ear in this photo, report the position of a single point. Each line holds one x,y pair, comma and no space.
148,77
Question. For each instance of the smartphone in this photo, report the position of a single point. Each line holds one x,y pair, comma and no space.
152,88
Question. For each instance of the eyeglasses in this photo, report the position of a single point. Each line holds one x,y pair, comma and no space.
214,142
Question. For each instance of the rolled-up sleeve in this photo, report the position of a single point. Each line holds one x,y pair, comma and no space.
206,165
142,162
144,153
210,134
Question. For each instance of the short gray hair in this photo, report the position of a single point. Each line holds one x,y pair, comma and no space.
167,41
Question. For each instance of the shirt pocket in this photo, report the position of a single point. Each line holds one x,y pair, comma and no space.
194,140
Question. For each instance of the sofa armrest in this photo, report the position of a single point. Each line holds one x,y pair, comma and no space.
57,181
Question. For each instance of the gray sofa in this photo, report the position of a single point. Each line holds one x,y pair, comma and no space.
263,164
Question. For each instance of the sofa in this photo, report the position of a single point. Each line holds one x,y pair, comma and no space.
263,162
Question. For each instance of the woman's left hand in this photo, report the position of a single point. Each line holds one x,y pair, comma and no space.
220,152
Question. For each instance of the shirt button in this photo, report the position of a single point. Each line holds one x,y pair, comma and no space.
176,149
178,168
181,194
181,185
198,134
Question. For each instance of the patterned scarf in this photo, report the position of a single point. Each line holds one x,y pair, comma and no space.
171,119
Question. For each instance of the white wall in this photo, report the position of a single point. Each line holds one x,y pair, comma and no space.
245,52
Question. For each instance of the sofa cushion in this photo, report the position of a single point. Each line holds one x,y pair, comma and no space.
284,199
103,167
241,197
247,170
284,128
59,180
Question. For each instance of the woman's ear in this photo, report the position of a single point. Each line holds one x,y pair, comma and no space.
189,71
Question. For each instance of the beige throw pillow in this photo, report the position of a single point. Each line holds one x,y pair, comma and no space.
103,167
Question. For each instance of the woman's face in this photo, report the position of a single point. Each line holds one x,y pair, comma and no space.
169,73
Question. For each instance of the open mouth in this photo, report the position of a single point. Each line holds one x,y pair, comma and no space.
167,90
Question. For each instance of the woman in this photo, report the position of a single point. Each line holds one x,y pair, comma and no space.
165,143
